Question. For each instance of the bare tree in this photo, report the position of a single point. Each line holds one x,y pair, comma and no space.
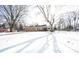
61,23
74,19
66,20
12,14
45,10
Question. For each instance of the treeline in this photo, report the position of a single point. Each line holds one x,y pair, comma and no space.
68,21
14,14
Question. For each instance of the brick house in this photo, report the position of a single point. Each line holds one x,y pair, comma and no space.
36,28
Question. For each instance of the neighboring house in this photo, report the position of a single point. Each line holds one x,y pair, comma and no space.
4,30
36,28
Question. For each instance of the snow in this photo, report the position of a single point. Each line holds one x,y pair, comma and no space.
68,41
39,42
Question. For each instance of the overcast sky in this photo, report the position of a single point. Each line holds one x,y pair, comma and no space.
34,15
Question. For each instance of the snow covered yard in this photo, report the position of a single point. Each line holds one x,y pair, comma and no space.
8,42
68,41
40,42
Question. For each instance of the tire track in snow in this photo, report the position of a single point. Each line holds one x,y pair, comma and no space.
20,50
10,47
56,48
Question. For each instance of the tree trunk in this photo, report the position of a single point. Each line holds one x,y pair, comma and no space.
74,26
11,29
51,28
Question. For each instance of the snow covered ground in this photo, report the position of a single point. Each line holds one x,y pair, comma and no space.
40,42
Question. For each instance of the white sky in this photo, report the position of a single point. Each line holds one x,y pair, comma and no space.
66,5
35,16
35,2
